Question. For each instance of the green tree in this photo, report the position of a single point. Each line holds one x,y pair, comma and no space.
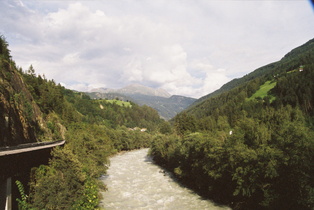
185,123
59,185
31,71
165,128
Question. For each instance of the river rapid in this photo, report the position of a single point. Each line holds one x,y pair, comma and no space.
135,182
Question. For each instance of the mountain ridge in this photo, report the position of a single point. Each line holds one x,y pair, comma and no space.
135,89
167,105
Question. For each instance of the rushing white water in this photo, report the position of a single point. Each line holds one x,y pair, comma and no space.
135,182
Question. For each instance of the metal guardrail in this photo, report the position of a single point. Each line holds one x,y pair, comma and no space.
29,147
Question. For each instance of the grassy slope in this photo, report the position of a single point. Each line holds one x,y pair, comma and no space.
263,90
120,103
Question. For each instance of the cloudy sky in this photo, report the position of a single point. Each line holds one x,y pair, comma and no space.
187,47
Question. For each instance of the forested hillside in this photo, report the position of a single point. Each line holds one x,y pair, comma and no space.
302,54
251,146
33,108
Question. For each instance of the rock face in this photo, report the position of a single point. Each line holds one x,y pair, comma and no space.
20,117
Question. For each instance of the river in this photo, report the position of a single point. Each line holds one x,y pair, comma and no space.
135,182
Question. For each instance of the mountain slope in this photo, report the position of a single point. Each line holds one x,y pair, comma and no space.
249,84
293,59
158,99
166,107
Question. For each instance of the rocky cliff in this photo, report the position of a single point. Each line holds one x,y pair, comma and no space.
21,120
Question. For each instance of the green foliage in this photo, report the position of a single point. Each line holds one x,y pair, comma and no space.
20,100
91,145
165,128
185,123
23,202
4,50
89,198
251,168
296,89
59,185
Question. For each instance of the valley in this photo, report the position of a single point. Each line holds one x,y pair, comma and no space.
243,146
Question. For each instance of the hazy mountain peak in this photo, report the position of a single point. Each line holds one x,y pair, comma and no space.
166,105
135,89
144,90
99,90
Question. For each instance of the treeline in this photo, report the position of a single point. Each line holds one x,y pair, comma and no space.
249,154
250,166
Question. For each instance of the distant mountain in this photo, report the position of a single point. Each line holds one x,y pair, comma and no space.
102,95
166,105
135,89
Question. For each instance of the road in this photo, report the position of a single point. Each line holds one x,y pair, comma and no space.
29,147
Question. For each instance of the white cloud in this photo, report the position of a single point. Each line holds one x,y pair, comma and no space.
133,71
188,48
214,80
71,58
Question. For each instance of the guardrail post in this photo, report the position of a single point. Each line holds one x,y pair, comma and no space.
8,201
